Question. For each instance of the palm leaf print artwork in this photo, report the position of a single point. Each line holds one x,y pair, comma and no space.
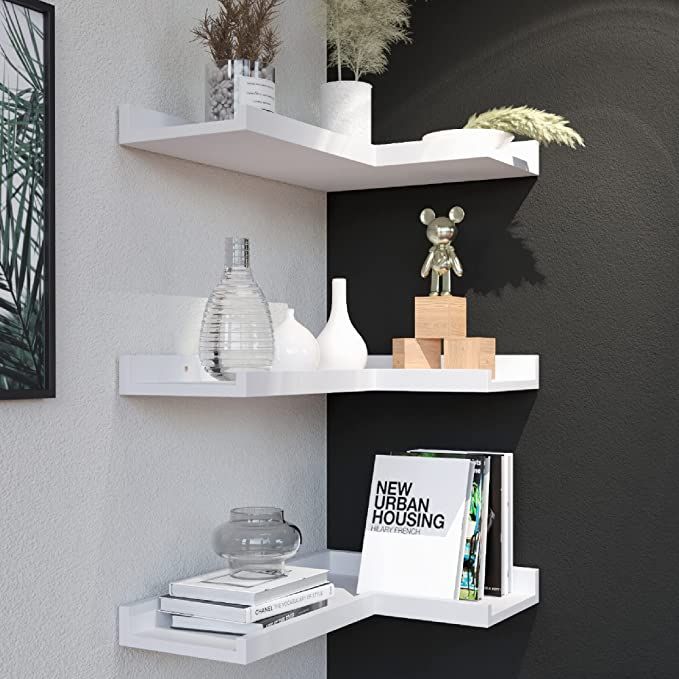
25,241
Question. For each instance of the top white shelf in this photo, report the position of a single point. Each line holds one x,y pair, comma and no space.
274,147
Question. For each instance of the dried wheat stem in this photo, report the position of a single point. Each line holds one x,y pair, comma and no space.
546,128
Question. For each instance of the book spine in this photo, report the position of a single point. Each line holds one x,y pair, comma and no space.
495,582
189,622
289,603
284,617
487,476
236,630
204,609
472,576
463,539
510,527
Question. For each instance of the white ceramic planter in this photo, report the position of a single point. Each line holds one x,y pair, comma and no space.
346,107
295,348
342,348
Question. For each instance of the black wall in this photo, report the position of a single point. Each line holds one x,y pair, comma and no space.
579,266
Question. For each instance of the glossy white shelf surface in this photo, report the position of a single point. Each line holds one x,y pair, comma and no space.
167,375
272,146
141,626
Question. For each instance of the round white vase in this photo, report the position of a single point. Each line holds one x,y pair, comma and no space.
346,107
295,348
279,313
342,348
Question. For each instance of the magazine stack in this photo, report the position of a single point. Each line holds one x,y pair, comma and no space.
238,604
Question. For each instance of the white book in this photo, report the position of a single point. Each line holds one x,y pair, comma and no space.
508,520
241,614
484,530
236,630
207,625
415,527
221,586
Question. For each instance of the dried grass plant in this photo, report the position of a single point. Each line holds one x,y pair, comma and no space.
361,33
241,29
546,128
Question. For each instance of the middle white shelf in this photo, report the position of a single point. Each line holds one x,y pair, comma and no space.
183,376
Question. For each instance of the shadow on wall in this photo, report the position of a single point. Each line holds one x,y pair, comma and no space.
359,425
504,260
495,652
495,252
381,251
388,422
498,66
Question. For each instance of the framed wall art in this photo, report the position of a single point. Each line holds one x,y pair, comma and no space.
27,353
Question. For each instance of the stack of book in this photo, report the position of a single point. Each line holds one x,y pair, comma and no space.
220,602
440,524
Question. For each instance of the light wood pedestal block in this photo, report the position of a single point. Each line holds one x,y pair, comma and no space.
469,353
413,353
441,323
437,317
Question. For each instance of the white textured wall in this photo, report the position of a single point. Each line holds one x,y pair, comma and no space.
105,499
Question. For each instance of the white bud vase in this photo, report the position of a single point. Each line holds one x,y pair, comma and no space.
342,348
295,348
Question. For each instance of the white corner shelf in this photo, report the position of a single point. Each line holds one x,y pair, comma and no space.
142,626
183,376
274,147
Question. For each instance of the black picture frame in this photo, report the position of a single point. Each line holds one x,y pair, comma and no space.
48,389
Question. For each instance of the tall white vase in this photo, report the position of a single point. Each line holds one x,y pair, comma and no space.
342,348
346,107
295,348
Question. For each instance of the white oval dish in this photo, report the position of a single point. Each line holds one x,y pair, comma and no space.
467,142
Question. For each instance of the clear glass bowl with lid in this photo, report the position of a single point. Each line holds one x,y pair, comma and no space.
257,541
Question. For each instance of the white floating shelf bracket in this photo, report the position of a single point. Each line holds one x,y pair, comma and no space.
272,146
183,376
142,626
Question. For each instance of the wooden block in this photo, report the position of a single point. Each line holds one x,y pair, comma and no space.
416,353
475,353
439,317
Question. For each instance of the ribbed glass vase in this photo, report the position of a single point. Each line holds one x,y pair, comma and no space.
237,333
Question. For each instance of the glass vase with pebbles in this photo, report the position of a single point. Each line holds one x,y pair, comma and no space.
235,83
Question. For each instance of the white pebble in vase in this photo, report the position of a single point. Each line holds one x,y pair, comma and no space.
295,348
342,348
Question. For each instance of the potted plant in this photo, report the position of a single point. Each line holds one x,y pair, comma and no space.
360,35
243,42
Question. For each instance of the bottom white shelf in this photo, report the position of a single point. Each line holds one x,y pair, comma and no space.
141,626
